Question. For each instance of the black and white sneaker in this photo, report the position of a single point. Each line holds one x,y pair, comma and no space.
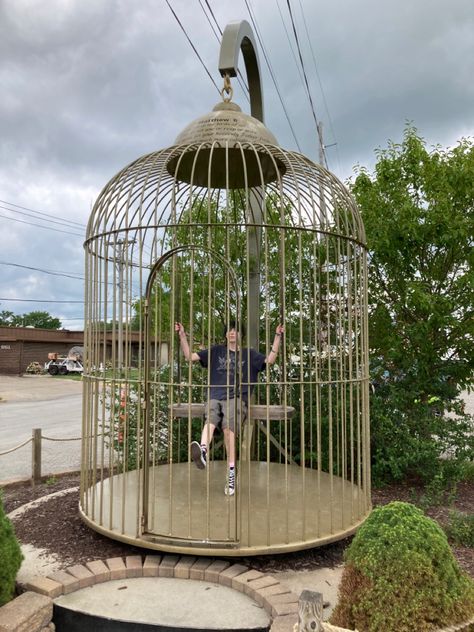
230,485
198,455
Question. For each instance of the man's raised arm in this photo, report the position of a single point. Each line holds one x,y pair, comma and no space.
183,341
272,356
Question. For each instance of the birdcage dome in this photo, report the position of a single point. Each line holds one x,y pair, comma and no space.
148,194
232,142
226,124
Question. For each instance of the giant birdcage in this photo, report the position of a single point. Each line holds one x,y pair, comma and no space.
225,225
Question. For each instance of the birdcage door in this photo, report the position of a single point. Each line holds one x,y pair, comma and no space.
192,293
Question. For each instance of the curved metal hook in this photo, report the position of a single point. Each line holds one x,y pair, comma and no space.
238,36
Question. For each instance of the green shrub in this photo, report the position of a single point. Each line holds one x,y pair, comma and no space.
410,438
125,425
460,529
401,576
10,557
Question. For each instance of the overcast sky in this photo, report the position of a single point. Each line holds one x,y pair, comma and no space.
87,86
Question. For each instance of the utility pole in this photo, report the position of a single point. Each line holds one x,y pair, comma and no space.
322,147
120,263
322,156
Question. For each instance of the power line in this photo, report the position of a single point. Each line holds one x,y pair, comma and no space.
320,82
304,72
289,42
64,274
35,300
272,73
210,23
51,221
322,146
71,275
57,230
25,208
192,46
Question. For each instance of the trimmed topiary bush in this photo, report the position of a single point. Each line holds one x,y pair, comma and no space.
10,557
401,576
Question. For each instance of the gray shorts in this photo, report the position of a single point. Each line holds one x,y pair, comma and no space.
222,413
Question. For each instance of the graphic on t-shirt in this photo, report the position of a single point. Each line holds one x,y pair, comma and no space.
225,364
222,371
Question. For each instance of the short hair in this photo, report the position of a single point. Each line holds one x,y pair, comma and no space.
233,325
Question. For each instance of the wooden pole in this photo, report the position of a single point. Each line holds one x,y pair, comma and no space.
310,612
36,456
310,615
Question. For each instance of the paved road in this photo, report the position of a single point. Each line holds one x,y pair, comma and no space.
52,404
58,418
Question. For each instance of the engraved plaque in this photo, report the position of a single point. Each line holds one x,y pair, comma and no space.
226,123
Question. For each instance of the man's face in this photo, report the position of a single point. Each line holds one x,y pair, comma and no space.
232,336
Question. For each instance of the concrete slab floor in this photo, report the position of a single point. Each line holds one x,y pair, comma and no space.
175,603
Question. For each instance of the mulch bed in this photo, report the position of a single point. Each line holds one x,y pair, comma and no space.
55,526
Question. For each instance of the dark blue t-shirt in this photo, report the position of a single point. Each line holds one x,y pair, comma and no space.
221,361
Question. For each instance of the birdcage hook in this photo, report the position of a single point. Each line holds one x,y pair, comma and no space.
237,37
227,89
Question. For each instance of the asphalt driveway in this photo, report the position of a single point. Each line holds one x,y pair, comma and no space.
53,404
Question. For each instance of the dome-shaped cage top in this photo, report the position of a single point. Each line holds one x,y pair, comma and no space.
143,199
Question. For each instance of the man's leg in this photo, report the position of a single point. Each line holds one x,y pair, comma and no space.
234,411
199,450
229,440
207,434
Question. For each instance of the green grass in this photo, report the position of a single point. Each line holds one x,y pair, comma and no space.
77,377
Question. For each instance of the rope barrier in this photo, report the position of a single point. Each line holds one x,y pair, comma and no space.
16,447
21,445
96,436
36,441
56,439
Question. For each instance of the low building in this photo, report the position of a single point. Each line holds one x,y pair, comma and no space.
19,346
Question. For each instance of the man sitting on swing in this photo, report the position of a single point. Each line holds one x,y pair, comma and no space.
222,401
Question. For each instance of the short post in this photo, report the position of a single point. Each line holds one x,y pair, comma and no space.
310,612
36,456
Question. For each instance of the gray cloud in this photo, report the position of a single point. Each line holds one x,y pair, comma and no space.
89,86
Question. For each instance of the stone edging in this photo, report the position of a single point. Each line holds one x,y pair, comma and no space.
278,601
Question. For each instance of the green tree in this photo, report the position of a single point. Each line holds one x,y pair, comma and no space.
218,225
6,318
418,211
42,320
